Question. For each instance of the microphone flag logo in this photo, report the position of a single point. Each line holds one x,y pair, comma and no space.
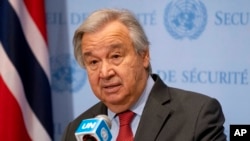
94,127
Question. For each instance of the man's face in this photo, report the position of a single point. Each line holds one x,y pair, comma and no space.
116,73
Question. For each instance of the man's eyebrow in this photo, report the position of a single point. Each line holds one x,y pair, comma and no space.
87,53
109,48
115,46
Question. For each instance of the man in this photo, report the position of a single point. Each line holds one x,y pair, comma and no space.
113,48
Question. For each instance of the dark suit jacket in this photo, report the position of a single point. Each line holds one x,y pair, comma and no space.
170,114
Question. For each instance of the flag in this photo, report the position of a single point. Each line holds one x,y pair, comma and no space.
25,95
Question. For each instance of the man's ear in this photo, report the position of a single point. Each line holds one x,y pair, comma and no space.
146,58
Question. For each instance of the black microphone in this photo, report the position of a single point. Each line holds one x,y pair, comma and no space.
94,129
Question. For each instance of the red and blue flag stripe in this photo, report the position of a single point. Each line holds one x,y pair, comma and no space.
25,94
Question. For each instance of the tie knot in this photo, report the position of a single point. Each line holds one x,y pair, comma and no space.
126,117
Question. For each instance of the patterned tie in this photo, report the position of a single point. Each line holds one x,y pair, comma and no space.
125,131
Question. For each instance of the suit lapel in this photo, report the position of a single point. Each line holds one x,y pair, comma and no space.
156,112
100,108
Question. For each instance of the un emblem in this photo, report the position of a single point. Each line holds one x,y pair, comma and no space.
185,18
67,76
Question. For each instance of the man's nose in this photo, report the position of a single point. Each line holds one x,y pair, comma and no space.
106,70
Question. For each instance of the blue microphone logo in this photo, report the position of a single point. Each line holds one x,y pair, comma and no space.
88,125
96,128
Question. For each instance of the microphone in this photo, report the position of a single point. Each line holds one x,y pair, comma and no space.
94,129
